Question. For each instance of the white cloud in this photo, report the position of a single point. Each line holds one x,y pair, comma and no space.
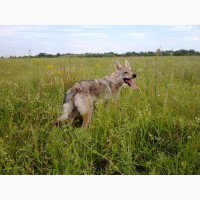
181,28
136,35
184,38
69,29
90,34
193,38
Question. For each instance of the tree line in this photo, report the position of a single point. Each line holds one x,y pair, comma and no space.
158,52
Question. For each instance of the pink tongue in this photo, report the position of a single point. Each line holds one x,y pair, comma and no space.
132,84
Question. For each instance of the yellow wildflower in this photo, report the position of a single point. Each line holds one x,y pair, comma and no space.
50,66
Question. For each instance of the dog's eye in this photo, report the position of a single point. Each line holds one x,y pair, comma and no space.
125,72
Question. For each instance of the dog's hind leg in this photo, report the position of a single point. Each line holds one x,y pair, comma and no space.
86,119
73,114
66,112
84,104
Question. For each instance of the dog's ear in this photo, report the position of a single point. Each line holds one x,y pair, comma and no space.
118,66
127,65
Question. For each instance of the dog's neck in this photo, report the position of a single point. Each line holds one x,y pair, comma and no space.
110,79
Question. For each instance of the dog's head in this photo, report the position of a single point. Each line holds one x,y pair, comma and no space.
124,74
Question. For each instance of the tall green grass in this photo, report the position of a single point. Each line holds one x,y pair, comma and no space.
155,130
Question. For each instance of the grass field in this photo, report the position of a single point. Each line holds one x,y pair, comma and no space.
155,130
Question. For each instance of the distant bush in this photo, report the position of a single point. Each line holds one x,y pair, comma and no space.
158,52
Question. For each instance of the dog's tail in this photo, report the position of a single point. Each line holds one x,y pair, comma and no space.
69,95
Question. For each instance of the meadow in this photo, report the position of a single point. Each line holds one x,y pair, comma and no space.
154,130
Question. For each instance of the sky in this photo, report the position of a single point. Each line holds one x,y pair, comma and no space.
20,40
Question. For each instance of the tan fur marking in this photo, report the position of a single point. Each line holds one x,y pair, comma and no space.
86,119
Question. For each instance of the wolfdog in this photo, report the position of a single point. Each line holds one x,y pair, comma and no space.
80,97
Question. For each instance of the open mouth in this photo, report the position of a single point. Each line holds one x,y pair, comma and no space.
130,83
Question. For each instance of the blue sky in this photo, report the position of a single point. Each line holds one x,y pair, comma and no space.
17,40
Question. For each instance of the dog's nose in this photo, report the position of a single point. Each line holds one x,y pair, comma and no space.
134,75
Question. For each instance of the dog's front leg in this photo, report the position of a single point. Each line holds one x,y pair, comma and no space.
106,102
115,98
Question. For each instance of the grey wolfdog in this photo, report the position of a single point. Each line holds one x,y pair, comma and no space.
80,97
